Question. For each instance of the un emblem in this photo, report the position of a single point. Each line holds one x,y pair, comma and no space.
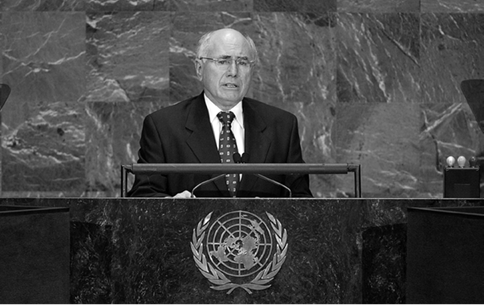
242,250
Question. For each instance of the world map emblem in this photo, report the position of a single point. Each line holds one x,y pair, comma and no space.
239,250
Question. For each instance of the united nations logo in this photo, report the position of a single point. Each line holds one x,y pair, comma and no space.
242,250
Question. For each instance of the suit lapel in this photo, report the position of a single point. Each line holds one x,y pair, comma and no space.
201,140
257,144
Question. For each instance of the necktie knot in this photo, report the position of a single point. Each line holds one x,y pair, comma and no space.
226,117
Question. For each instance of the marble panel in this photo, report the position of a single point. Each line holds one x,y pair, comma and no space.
42,123
43,59
298,64
212,5
45,153
382,277
313,6
112,139
452,6
451,51
384,139
42,5
297,59
127,5
378,58
88,267
127,54
379,6
2,44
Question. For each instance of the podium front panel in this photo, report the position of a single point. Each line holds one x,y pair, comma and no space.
34,255
445,255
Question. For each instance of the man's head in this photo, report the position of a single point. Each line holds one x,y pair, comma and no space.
225,63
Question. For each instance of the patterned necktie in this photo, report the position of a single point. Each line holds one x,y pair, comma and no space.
227,148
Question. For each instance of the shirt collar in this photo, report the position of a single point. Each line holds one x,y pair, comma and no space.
213,110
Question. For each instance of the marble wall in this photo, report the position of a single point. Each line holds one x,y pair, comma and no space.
372,82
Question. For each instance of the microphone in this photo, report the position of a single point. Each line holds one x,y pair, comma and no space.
4,93
245,157
237,158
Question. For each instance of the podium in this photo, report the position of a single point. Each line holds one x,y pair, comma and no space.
34,254
149,250
445,255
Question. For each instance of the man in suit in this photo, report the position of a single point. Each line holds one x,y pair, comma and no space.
188,132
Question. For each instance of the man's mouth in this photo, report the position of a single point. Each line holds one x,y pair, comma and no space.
230,85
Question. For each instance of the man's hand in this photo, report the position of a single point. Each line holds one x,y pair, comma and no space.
184,194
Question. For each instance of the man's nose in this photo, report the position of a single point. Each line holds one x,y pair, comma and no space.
233,68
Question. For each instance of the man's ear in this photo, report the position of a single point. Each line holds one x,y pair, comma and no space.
198,68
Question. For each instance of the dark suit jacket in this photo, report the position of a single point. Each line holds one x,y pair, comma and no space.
182,133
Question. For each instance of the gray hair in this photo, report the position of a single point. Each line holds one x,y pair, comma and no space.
204,44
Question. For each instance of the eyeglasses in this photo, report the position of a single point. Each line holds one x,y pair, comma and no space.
226,62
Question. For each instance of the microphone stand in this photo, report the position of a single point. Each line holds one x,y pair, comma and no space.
205,182
275,182
238,159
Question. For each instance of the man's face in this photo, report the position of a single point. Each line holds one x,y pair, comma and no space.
225,85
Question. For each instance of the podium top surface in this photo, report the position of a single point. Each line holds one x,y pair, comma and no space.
8,210
473,211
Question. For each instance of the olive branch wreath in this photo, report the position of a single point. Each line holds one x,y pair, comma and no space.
219,279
